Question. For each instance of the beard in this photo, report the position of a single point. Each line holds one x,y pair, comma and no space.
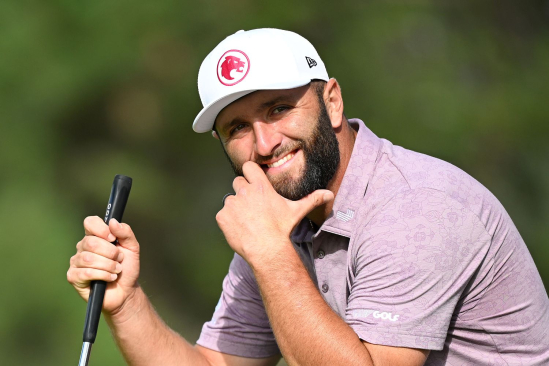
321,152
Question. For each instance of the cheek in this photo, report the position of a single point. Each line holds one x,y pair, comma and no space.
239,152
300,127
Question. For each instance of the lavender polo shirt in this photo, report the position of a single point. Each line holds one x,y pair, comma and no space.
415,254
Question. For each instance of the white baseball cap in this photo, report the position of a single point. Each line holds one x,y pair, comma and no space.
259,59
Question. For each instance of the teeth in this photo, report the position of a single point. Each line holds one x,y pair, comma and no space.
281,161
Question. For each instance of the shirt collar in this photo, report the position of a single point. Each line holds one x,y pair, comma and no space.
342,219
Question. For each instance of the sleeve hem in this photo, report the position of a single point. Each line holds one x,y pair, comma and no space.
242,349
400,339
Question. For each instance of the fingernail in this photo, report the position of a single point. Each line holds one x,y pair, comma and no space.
113,277
111,238
120,256
118,268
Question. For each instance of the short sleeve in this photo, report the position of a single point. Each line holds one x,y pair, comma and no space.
239,325
410,264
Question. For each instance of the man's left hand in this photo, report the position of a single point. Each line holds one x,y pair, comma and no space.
257,221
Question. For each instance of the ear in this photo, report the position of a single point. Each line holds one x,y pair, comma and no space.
215,135
334,102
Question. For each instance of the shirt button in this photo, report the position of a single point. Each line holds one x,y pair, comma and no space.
320,254
325,288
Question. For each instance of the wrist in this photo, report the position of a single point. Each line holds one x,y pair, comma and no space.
277,254
132,306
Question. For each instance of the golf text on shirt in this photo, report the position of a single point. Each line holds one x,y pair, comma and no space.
376,314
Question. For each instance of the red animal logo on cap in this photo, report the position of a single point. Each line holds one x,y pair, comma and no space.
231,63
232,68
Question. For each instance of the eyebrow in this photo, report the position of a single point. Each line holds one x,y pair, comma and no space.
234,122
260,108
270,103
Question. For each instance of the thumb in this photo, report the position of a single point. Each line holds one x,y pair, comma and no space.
124,234
313,200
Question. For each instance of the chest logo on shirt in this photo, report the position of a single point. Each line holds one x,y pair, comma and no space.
345,216
364,313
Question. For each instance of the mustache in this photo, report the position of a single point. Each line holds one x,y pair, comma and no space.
281,151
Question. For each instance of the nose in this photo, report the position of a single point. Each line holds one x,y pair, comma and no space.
267,138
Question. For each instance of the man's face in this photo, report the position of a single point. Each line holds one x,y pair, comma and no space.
288,133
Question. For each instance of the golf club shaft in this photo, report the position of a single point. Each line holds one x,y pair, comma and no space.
85,354
115,209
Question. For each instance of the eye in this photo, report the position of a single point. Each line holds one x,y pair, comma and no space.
237,128
279,109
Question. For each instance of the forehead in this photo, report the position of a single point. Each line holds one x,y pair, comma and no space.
259,101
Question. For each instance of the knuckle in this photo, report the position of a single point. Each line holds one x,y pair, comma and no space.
90,220
88,273
114,253
316,199
89,245
95,225
87,257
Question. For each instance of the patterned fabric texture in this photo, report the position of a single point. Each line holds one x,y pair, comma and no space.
416,253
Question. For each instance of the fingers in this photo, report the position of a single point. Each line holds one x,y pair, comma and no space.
239,183
81,277
95,261
86,266
94,225
313,200
125,235
253,173
99,246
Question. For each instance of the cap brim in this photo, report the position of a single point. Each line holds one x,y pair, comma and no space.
205,120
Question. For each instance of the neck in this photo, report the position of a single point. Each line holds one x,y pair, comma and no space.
346,138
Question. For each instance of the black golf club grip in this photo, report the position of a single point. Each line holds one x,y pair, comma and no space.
115,209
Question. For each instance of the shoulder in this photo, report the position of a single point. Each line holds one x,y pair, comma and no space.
416,180
417,202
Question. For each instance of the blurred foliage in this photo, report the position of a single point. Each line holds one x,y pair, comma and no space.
93,89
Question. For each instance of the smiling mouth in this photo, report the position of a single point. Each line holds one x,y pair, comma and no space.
280,161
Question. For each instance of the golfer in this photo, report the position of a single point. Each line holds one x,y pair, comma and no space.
349,250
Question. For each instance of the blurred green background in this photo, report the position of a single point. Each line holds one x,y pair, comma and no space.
93,89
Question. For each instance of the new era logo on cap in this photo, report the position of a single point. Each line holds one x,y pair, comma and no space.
310,61
232,67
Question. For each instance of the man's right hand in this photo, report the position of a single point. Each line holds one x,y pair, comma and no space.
144,339
97,259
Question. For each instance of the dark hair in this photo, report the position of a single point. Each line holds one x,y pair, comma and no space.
318,86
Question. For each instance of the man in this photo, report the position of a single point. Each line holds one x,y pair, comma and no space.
348,250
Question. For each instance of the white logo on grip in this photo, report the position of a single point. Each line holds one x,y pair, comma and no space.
107,213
